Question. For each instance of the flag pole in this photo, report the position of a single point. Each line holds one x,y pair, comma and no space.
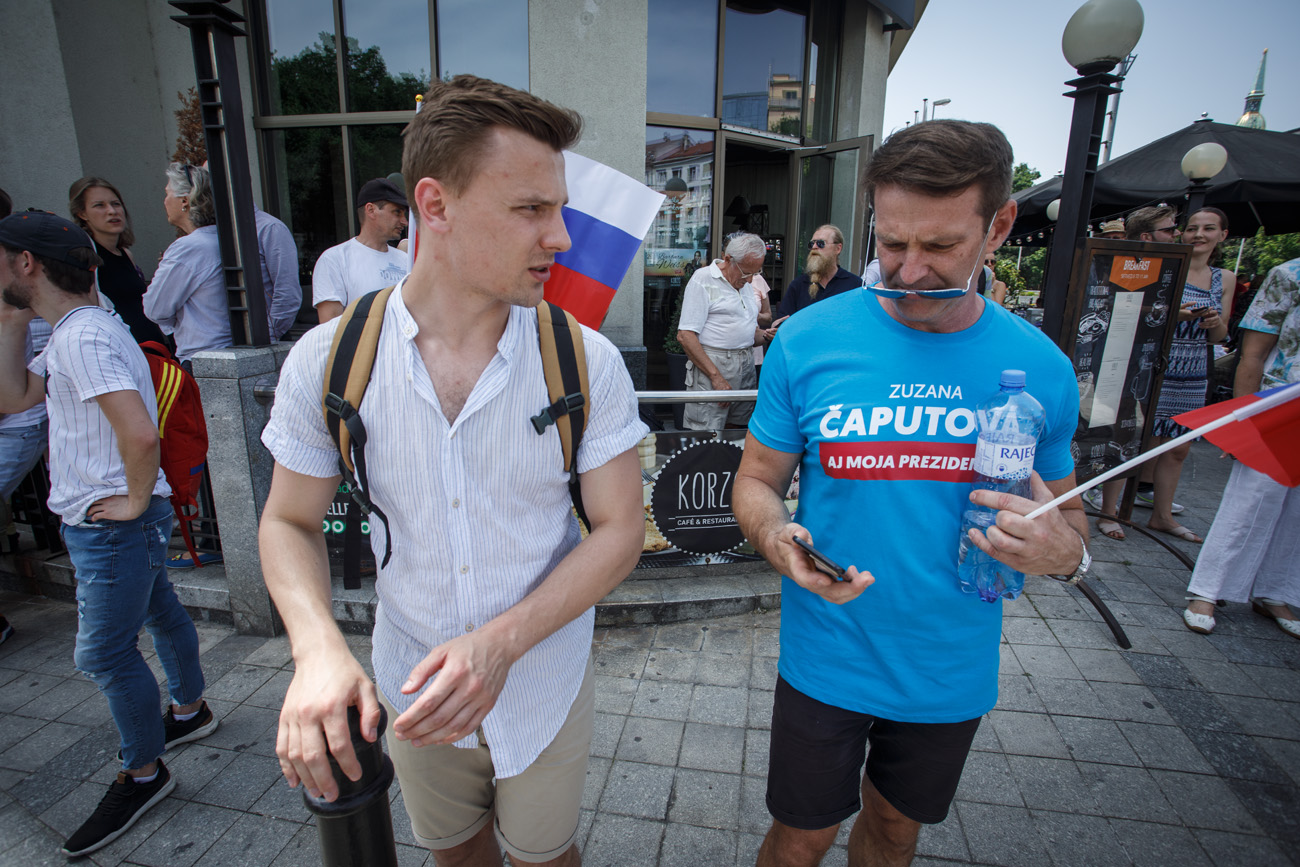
413,233
1280,396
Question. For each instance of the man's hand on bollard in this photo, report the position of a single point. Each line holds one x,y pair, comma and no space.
314,721
471,671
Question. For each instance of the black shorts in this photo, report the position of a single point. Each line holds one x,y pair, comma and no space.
815,768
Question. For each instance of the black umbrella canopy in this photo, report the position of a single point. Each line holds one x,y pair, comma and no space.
1259,185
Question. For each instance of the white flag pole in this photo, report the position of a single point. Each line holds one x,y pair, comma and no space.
1279,397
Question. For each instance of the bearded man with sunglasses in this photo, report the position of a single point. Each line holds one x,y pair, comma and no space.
871,394
822,277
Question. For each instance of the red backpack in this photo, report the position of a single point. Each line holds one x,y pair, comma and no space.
182,434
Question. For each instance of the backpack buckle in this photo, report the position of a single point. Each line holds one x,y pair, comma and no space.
568,404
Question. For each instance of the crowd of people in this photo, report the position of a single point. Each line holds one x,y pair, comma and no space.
486,592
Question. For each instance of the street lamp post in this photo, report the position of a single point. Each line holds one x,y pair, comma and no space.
1098,36
1200,165
936,104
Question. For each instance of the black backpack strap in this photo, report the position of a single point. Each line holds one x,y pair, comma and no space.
564,361
347,373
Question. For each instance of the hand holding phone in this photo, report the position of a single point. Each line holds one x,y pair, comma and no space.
820,561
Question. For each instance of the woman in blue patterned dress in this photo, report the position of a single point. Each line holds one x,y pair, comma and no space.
1206,296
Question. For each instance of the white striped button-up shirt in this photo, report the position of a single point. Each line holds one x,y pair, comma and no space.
90,353
479,509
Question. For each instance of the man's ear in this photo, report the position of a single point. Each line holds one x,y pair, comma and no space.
1003,221
431,202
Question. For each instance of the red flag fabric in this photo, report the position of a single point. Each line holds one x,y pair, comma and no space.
1265,438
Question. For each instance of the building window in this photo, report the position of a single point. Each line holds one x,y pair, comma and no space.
755,83
682,57
360,64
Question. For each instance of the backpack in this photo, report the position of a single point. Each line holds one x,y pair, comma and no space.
348,368
182,434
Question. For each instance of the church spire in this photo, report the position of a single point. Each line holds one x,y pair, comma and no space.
1252,118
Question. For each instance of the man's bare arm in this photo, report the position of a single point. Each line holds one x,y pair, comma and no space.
1255,349
137,443
327,678
758,499
327,310
472,668
20,389
694,350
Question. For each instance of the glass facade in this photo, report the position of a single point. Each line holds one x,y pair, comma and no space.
314,172
682,57
678,163
763,70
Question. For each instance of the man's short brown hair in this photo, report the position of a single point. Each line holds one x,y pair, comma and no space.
449,135
945,158
1143,221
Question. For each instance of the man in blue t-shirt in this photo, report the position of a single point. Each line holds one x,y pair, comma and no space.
871,395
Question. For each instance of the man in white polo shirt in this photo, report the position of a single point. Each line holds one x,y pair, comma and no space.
106,485
365,263
718,329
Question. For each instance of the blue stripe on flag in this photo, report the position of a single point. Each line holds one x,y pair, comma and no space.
600,251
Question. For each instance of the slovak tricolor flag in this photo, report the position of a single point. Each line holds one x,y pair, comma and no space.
607,216
1268,436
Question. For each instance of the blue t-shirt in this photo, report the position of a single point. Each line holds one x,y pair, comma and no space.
882,415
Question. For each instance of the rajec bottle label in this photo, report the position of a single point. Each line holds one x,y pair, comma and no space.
1004,460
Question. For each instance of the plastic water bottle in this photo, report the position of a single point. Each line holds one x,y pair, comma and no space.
1009,424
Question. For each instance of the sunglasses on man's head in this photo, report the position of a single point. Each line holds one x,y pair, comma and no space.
817,243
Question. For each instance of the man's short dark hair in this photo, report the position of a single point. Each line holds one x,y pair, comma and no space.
447,138
72,279
1143,221
945,158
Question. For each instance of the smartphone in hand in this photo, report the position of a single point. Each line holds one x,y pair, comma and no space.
820,561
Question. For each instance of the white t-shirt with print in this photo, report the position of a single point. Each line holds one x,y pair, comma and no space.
349,270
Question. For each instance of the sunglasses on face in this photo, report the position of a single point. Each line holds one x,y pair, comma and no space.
1172,230
881,290
818,244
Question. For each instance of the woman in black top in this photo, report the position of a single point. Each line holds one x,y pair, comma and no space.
97,207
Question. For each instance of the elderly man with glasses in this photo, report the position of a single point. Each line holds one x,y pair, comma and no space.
822,277
718,329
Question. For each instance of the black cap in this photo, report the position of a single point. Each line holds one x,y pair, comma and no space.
380,190
44,234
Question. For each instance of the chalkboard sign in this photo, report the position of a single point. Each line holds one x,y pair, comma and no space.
1121,309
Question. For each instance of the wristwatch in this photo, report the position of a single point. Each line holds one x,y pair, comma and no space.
1082,569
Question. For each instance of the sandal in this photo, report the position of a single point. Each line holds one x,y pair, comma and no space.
1262,607
1110,529
1202,623
1179,532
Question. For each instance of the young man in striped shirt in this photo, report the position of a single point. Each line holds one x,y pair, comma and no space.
483,630
106,485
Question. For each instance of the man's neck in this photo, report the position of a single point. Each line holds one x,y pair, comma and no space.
373,238
52,304
447,312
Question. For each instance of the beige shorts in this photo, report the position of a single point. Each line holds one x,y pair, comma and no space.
737,368
450,793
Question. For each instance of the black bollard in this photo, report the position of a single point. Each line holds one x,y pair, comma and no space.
356,828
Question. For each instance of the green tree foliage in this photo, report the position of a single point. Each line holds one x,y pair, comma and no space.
1261,254
786,126
1023,177
191,149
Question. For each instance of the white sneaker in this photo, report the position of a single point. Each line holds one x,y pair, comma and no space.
1092,499
1147,500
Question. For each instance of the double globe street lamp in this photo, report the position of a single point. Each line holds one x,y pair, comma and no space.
1099,35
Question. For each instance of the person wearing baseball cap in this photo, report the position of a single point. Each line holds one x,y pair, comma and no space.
106,485
365,263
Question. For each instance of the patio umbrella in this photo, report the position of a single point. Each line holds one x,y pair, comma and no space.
1259,186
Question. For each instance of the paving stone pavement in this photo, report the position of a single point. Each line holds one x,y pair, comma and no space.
1183,750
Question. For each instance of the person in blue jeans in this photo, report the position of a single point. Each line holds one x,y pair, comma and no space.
106,485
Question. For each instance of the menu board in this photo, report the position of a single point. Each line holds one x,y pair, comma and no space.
1121,311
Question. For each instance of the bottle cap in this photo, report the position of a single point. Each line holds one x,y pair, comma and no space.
1013,379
